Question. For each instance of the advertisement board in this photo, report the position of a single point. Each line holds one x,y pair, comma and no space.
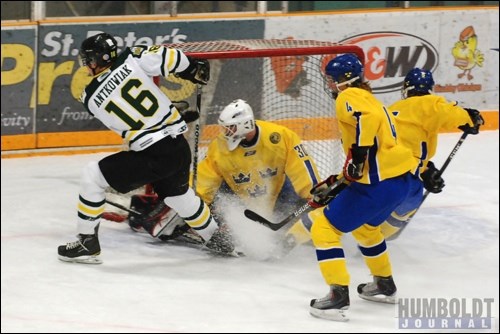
62,79
18,80
42,80
458,46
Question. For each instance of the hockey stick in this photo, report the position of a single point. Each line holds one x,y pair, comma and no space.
293,216
156,228
196,136
115,216
441,171
119,206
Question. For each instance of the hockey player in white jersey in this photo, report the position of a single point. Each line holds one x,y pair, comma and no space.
124,97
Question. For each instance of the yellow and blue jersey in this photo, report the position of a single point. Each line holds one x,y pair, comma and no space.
257,173
388,177
419,120
365,121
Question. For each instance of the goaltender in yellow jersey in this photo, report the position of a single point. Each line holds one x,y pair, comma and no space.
258,161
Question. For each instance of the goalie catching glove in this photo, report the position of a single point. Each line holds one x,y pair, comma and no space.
197,72
322,194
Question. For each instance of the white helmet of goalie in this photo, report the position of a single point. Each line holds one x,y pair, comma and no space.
237,121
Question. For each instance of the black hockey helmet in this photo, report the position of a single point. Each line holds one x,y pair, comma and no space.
100,49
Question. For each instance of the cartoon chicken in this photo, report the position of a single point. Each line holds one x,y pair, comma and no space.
466,54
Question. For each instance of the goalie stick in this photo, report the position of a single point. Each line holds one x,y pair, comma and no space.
293,216
196,136
441,171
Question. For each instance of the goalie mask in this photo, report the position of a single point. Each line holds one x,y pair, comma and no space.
417,82
237,121
343,70
100,49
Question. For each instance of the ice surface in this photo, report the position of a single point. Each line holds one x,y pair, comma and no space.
449,250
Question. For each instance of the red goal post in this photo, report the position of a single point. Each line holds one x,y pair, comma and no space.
253,48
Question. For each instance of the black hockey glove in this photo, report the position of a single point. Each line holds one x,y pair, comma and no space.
477,120
188,115
433,182
321,193
355,162
197,72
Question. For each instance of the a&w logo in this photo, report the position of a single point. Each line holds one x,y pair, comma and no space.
390,55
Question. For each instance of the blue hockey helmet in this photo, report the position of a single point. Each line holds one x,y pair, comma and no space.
344,69
418,82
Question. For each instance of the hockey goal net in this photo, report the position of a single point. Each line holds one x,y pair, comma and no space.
281,79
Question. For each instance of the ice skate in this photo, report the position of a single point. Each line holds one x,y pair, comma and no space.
85,250
382,290
333,306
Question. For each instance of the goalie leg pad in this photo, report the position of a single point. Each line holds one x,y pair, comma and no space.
195,212
159,220
168,224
